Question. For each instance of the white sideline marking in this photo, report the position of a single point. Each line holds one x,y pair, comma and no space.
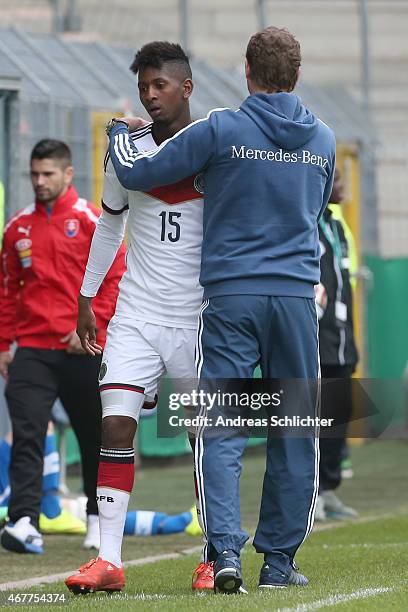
30,582
337,599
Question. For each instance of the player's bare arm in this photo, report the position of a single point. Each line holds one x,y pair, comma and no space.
5,359
105,245
86,326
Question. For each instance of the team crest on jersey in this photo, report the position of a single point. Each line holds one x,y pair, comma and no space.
199,183
71,227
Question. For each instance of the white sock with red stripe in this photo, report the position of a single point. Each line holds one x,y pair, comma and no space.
115,483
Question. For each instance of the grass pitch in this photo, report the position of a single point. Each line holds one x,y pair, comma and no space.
351,566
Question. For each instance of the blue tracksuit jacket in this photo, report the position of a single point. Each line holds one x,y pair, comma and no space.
267,171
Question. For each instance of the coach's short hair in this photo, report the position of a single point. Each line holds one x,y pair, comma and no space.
274,58
52,149
157,53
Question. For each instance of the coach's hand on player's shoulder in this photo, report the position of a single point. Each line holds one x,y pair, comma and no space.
86,326
135,123
5,359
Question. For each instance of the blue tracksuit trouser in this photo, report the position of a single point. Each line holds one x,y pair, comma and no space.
235,334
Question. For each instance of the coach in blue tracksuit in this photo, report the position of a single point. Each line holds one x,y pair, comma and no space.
268,171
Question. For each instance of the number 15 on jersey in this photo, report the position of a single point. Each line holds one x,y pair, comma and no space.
170,227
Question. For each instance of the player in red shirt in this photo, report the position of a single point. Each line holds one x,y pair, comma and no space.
45,249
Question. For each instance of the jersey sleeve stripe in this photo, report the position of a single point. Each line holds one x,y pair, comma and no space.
134,136
128,148
120,152
141,133
112,211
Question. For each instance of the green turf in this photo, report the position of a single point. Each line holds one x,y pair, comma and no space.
346,559
338,561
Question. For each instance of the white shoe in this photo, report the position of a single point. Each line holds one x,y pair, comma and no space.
320,513
335,508
92,538
22,537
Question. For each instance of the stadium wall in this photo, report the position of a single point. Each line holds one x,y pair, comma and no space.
73,102
387,341
387,301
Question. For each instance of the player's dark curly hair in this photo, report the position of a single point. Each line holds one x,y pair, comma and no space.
157,53
274,58
52,149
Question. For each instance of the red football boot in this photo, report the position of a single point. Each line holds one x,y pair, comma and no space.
96,575
203,577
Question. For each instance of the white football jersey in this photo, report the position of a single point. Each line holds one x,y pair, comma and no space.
165,228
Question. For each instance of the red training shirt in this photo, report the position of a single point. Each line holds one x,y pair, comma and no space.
42,265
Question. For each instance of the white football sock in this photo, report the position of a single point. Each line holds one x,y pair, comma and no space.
112,505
